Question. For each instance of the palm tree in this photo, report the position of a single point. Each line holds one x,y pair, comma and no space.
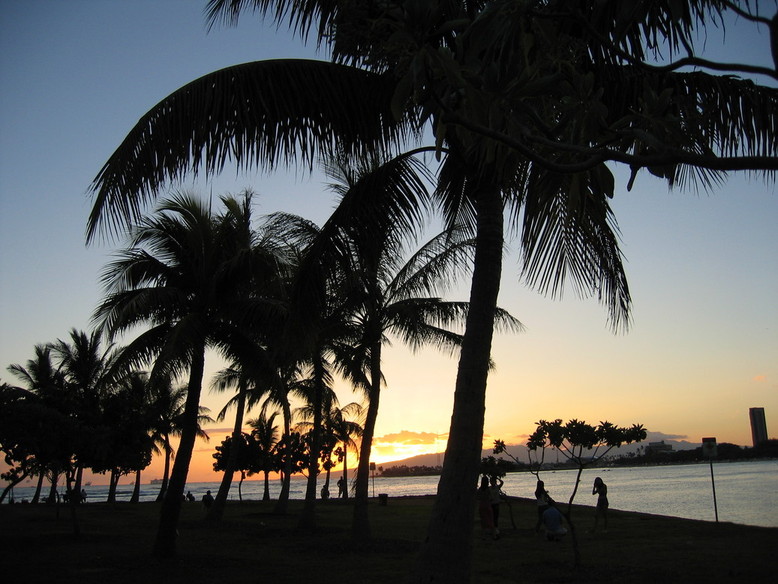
46,402
265,434
84,363
180,274
247,390
527,101
343,424
168,406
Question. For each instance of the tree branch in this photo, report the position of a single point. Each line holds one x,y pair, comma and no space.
598,155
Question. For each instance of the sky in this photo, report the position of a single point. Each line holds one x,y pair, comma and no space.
703,266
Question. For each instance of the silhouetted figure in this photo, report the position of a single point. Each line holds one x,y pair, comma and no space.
601,490
495,496
342,488
542,498
83,495
485,511
552,522
190,497
207,499
325,493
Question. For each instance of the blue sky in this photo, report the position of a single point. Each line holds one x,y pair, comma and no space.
74,78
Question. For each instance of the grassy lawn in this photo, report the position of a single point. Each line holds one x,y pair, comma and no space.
253,545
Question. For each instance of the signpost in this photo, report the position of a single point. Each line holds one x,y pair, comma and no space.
709,451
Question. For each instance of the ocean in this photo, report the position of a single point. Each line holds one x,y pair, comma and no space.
746,492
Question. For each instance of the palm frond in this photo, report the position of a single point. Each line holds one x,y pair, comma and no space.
256,115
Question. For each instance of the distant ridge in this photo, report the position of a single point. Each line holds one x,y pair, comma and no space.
520,451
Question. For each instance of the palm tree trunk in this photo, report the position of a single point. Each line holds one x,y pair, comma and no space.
266,493
165,543
286,472
136,490
38,488
166,473
345,466
216,511
78,480
445,555
360,526
308,515
52,498
112,482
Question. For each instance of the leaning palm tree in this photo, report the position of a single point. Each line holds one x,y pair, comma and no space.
181,275
527,102
167,403
247,391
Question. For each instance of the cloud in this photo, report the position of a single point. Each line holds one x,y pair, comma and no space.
411,438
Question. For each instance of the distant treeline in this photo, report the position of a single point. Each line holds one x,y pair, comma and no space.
647,456
403,470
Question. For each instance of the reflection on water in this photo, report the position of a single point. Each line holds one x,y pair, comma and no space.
746,492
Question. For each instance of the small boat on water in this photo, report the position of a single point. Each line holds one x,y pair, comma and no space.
156,482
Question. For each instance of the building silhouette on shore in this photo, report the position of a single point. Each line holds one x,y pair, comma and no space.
758,425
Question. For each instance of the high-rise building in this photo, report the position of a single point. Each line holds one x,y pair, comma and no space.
758,425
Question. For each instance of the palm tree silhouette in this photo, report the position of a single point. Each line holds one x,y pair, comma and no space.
48,400
181,274
265,435
526,102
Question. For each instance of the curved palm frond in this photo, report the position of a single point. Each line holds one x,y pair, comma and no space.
264,113
570,234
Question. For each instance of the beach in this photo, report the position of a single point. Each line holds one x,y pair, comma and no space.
251,544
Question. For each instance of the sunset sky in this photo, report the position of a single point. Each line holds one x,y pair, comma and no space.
703,266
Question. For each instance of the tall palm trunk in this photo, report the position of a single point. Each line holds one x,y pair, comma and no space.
79,479
38,488
165,543
445,555
217,509
53,496
308,516
345,468
113,482
266,491
136,489
360,526
168,449
286,472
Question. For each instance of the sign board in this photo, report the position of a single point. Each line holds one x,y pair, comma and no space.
709,448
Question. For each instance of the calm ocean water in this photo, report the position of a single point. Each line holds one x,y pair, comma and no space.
746,492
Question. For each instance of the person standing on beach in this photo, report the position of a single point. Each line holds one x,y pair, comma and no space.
601,490
542,499
485,511
342,488
495,496
207,499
